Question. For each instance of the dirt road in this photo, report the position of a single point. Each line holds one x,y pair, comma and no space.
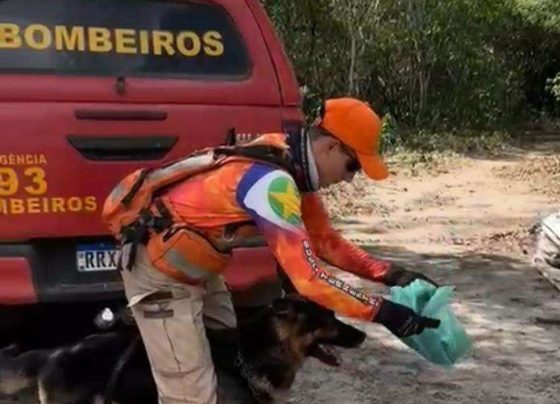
467,225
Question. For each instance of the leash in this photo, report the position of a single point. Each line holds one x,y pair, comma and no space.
117,370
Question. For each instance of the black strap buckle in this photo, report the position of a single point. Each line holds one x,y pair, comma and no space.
139,231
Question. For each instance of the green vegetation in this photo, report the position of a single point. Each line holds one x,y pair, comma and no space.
439,70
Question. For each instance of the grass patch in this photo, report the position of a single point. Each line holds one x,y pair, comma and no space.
413,163
411,153
465,142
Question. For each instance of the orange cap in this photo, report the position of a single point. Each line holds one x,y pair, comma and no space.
356,125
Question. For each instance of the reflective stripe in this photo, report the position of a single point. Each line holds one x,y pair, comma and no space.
177,260
118,193
190,163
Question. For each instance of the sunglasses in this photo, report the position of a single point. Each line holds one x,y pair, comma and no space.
353,165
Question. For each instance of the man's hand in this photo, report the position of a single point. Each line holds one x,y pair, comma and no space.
397,276
403,321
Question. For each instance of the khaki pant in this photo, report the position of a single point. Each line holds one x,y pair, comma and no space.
171,317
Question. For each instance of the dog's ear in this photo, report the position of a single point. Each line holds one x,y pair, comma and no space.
283,308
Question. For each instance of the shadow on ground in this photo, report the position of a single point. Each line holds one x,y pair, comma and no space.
499,299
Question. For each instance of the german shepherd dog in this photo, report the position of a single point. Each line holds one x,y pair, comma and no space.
273,343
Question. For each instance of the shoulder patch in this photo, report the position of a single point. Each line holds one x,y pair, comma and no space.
284,199
274,197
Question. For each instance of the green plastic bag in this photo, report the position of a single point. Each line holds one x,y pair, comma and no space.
447,344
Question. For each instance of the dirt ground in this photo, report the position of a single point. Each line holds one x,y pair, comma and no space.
467,222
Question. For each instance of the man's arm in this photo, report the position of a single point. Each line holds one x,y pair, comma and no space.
271,198
333,248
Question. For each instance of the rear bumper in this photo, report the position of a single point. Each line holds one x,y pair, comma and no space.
46,271
16,281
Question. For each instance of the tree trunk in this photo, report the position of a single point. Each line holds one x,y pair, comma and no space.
352,62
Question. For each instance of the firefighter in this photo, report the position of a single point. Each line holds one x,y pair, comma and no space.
175,287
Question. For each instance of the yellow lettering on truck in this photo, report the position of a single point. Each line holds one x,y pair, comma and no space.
9,36
9,182
188,43
55,205
38,180
163,40
72,40
144,42
37,37
99,40
31,180
213,45
125,41
17,207
33,205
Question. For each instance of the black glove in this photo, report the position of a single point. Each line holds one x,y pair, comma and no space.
403,321
397,276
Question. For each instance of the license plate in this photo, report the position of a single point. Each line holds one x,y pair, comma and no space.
97,257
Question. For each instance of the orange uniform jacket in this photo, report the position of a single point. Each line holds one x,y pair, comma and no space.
296,228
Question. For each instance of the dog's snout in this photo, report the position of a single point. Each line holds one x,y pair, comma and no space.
328,332
343,335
